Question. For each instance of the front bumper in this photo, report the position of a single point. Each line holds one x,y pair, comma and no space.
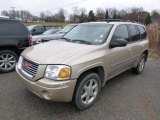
59,91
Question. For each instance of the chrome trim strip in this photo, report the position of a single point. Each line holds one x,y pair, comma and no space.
119,63
30,60
25,73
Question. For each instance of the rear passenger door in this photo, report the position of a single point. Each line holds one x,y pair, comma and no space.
13,33
135,43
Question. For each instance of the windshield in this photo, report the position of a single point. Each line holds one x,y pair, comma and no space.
89,33
48,32
30,27
67,28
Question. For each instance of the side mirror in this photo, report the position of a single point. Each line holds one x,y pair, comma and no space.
118,43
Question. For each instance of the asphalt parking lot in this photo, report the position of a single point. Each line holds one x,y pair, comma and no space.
126,97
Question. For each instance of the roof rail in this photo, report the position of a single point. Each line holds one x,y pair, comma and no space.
131,21
110,20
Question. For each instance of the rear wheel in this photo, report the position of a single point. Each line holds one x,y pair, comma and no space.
87,90
141,65
8,60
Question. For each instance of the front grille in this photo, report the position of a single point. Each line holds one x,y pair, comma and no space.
29,67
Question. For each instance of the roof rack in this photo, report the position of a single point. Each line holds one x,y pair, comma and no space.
110,20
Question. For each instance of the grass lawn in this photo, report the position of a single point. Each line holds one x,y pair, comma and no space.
48,23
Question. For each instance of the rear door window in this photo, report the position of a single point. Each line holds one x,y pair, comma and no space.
134,33
143,33
48,27
39,29
12,28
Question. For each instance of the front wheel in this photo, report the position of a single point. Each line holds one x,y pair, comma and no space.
141,65
8,60
87,90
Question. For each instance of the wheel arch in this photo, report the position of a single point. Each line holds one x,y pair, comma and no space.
12,48
146,52
98,69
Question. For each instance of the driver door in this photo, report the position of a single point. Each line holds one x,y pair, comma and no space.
118,58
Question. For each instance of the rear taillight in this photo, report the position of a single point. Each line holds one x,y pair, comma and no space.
30,40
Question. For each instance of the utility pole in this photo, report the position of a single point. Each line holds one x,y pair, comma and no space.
13,11
138,18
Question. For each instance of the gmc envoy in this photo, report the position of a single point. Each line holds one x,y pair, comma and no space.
76,67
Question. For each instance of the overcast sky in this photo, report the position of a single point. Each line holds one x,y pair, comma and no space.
36,6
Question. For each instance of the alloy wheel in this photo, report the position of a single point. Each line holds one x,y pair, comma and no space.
142,64
7,61
89,92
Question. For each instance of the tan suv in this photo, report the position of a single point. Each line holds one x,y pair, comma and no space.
76,67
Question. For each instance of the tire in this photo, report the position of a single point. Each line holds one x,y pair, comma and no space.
141,64
87,90
8,60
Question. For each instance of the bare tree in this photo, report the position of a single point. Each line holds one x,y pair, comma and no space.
112,13
42,16
155,14
123,14
83,16
136,14
5,13
100,13
60,16
75,13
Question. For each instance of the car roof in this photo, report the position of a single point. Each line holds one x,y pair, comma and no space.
7,18
35,25
46,25
74,24
54,29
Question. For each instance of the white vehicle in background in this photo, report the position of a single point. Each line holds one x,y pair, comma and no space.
4,17
56,36
48,34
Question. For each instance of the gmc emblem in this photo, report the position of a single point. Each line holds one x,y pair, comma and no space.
27,65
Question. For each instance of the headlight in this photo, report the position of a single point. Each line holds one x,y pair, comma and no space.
38,41
58,72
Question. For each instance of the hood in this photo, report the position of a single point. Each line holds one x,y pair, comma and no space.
55,52
54,36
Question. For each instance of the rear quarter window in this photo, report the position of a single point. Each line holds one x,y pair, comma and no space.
143,32
12,28
47,28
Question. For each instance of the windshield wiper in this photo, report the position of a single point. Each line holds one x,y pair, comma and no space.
82,41
79,41
67,39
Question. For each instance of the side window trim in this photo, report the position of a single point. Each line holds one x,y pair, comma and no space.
138,33
129,34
